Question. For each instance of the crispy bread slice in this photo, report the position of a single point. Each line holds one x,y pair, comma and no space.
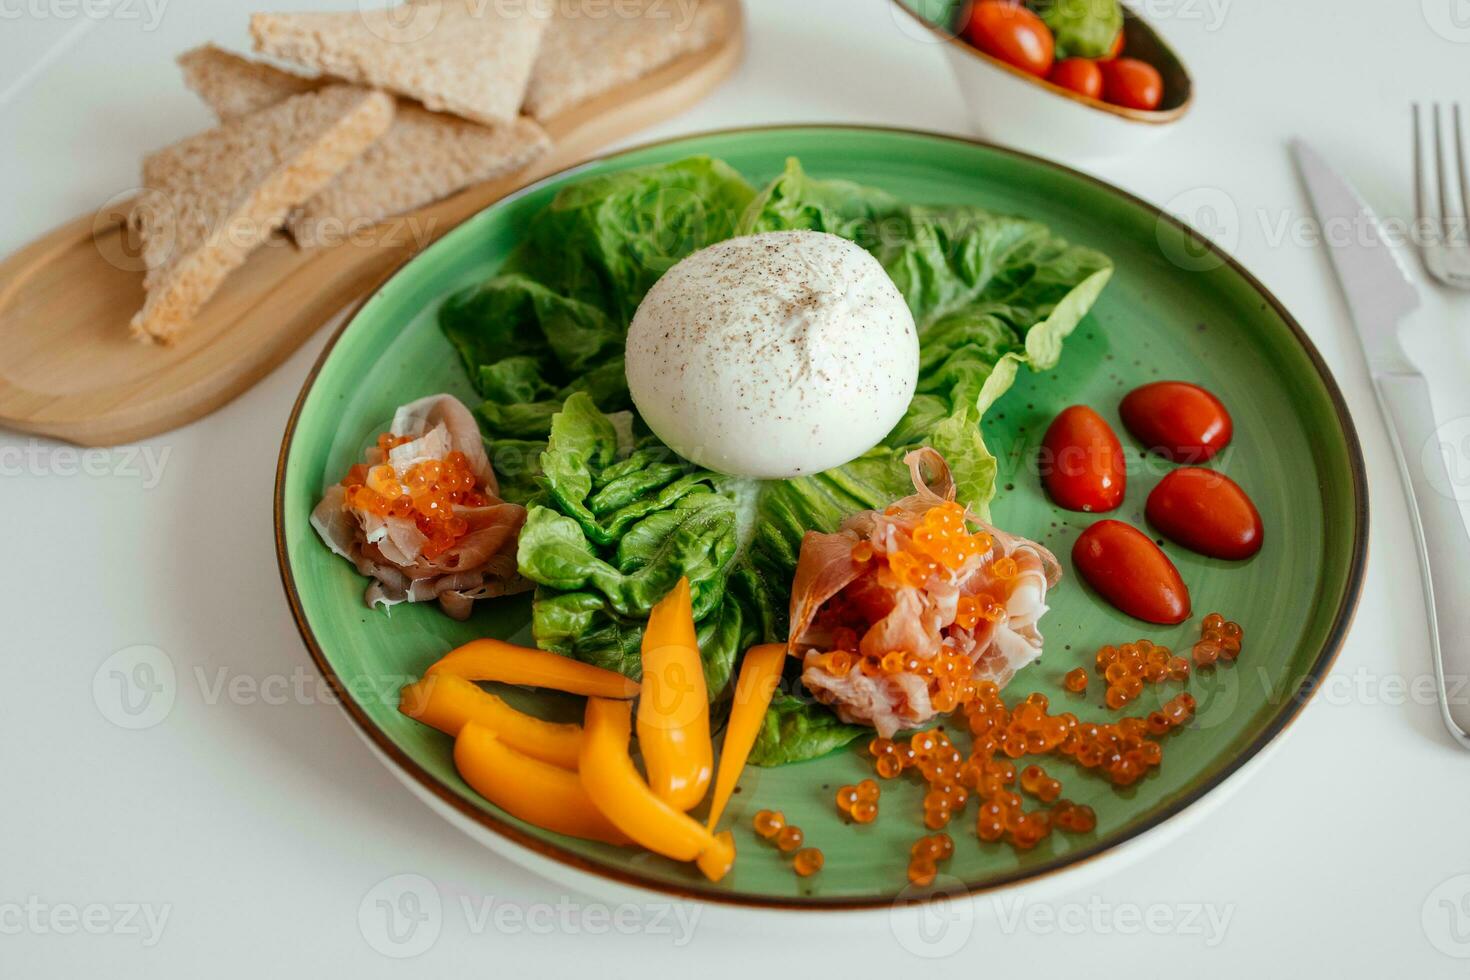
469,57
423,157
210,200
592,46
234,86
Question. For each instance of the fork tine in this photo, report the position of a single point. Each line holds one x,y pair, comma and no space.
1421,197
1464,226
1442,169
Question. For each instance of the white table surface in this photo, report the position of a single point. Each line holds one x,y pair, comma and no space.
255,826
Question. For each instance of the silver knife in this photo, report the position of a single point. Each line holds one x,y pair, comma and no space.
1380,296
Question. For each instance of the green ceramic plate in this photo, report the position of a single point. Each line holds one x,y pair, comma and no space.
1175,309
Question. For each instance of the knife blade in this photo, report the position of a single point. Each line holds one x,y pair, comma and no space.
1379,296
1379,293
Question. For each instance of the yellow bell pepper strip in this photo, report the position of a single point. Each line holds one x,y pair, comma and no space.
494,660
614,785
759,675
539,793
673,711
448,703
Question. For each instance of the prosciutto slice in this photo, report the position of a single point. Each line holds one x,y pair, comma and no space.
839,589
390,550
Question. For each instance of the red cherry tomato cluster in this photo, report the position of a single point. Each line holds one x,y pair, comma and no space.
1083,469
1007,30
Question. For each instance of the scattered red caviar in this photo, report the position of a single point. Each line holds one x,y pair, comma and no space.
790,838
1127,668
769,823
808,861
1075,681
859,802
1035,781
1073,817
925,855
428,494
1219,639
922,871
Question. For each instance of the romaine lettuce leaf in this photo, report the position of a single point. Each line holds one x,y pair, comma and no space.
795,730
610,536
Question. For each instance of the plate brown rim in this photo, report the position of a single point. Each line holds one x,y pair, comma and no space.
1292,705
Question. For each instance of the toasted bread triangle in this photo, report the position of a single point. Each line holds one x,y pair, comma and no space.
210,200
592,46
423,157
469,57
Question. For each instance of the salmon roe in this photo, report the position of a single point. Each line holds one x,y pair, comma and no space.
859,802
1075,681
808,861
1127,668
769,823
427,494
925,856
1121,752
790,838
1220,639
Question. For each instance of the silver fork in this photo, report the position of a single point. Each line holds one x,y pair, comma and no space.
1445,231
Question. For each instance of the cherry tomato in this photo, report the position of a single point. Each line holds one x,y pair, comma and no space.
1179,421
1081,461
1081,75
1117,47
1132,83
1206,512
1013,34
1130,571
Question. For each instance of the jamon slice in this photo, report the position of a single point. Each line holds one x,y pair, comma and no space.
850,595
391,549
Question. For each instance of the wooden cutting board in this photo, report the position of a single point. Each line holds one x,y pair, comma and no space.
70,370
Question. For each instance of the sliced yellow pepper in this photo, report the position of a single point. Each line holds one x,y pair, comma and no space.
673,712
759,675
494,660
614,785
539,793
448,703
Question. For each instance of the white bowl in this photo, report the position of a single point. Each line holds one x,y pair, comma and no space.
1010,106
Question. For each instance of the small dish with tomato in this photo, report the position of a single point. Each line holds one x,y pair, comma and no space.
1077,79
